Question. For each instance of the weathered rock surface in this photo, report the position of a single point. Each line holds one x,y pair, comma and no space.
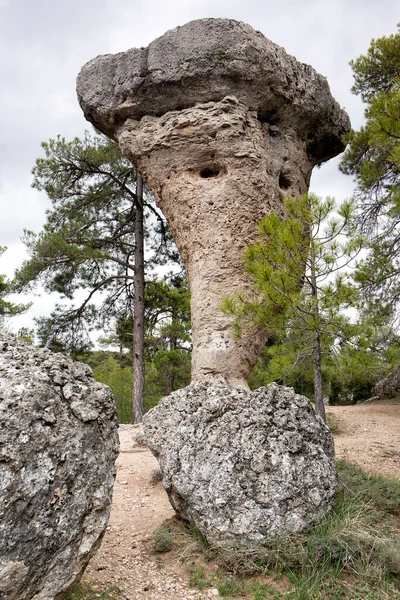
223,124
206,60
244,466
58,444
389,386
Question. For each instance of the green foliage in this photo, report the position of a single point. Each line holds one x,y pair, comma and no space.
197,535
370,350
373,159
86,251
288,362
119,379
377,71
296,271
85,591
348,550
88,242
333,425
231,587
7,308
26,335
162,540
167,337
353,553
198,577
166,366
381,494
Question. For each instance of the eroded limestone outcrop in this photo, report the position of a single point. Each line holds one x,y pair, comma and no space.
58,445
244,466
389,387
223,124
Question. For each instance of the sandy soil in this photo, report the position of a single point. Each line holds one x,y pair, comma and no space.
370,437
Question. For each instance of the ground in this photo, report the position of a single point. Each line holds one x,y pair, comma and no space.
369,435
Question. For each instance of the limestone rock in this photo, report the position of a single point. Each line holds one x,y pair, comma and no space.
139,438
206,60
389,387
58,445
223,124
244,466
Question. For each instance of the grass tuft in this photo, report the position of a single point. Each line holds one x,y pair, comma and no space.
163,539
85,591
332,422
232,587
155,476
198,577
197,535
352,554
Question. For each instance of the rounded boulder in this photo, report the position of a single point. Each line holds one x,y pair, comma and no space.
243,466
58,445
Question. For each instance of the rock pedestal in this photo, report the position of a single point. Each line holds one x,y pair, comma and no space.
243,466
58,445
223,124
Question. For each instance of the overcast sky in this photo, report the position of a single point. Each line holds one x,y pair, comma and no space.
44,43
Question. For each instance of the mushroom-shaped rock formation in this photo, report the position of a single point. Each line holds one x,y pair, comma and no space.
58,445
223,124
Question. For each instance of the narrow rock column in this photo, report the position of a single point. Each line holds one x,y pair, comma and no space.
223,124
216,170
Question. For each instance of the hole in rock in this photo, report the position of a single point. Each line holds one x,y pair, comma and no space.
209,172
284,181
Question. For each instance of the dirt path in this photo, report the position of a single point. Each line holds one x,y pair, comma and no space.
370,436
124,560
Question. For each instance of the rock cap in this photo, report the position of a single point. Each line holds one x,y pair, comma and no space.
206,60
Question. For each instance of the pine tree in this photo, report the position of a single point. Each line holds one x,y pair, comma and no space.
373,158
297,272
7,308
92,243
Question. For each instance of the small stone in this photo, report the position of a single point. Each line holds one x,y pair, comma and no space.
140,438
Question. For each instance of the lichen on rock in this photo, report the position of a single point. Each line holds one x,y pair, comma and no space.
58,445
243,466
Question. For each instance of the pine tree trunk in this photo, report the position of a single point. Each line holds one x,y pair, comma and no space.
169,386
318,394
171,373
138,317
